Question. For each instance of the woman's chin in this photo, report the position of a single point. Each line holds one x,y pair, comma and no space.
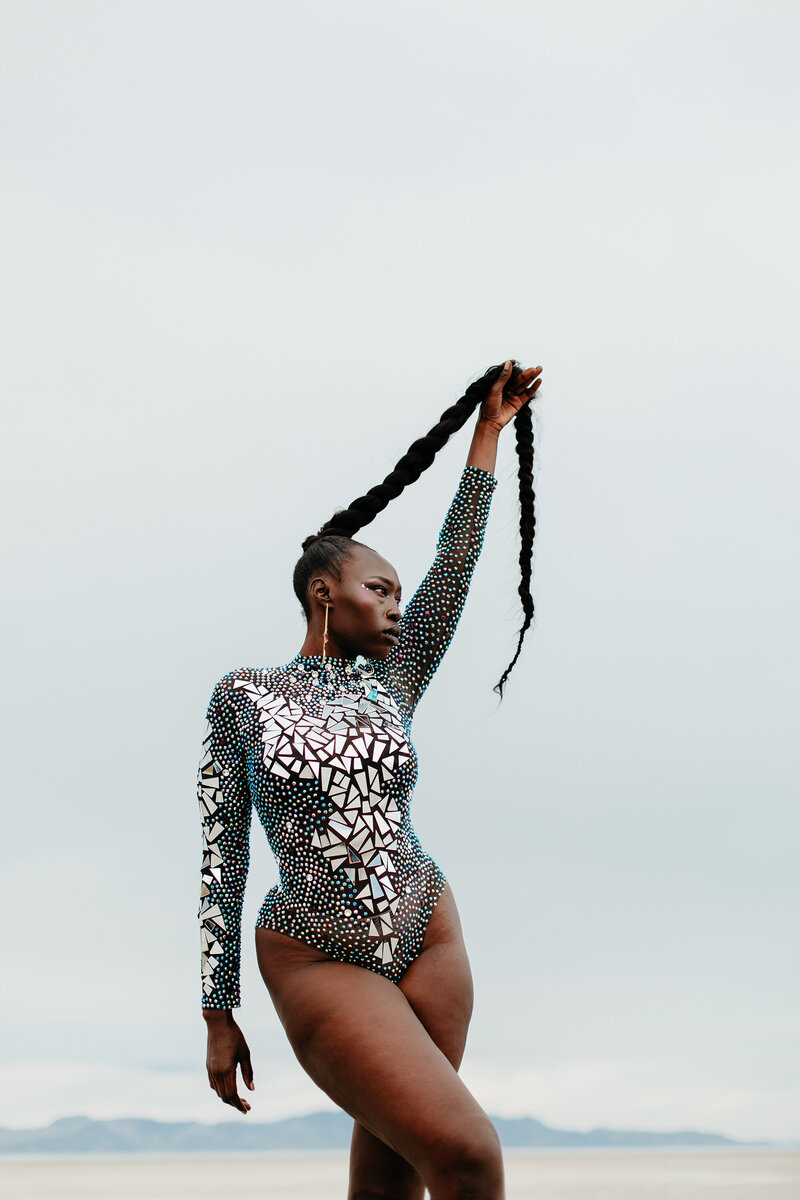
385,647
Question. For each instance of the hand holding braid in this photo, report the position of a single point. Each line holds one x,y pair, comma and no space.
502,394
508,393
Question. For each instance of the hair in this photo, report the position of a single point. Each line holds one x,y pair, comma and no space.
332,545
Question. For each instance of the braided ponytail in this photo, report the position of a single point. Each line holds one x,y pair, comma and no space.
417,459
330,546
523,428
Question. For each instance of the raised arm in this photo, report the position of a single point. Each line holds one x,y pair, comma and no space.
225,812
432,614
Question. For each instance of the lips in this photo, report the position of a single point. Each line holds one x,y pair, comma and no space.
392,633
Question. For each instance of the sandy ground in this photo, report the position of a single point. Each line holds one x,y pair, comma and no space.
537,1175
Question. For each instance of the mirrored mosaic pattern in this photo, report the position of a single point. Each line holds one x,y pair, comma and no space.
225,809
354,749
212,920
324,756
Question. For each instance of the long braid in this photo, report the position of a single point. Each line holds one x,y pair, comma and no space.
416,459
327,548
523,427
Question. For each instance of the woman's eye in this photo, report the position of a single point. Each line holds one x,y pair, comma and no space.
378,587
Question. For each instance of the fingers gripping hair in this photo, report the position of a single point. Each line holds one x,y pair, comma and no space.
330,546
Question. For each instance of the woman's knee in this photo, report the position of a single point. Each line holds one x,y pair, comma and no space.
468,1163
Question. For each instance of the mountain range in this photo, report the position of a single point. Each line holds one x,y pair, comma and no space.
316,1131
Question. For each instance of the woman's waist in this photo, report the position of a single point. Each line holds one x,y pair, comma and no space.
325,853
367,901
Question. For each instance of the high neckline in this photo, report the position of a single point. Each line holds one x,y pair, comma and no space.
356,665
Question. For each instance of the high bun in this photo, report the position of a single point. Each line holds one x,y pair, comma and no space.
327,549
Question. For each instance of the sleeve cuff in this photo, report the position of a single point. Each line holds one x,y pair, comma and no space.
484,479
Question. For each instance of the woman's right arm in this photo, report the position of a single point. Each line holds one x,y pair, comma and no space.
225,812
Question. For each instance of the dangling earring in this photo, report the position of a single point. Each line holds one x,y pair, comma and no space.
325,635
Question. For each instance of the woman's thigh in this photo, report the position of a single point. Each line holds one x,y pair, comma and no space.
360,1039
438,986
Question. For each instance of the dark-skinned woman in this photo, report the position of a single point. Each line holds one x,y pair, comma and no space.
360,943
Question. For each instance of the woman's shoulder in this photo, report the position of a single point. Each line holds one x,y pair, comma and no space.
242,683
240,679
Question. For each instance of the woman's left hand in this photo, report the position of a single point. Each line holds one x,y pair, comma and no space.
509,393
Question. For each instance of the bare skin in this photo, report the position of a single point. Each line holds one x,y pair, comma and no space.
387,1053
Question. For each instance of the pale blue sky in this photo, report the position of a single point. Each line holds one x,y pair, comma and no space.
251,251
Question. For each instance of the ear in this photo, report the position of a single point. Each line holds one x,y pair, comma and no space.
319,590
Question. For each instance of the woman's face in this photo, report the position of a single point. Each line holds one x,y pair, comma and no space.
365,605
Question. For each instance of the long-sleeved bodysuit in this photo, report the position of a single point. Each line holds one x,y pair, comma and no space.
325,757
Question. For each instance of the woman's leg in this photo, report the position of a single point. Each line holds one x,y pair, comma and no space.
438,986
359,1038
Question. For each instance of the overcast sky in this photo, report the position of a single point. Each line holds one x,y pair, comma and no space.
250,252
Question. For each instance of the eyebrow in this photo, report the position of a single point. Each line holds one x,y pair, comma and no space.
388,582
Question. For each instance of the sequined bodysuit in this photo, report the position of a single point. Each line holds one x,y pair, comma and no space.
325,757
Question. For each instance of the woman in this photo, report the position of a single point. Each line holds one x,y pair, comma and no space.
360,944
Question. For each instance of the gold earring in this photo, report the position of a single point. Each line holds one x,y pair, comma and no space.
325,635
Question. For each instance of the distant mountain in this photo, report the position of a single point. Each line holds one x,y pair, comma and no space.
317,1131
